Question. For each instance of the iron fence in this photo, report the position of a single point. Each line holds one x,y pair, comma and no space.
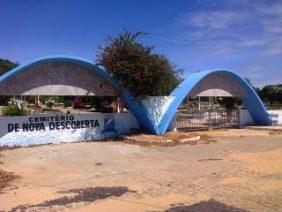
205,118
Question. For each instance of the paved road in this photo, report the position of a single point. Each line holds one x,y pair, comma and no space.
242,171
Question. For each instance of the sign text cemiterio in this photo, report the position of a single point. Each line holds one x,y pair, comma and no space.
58,122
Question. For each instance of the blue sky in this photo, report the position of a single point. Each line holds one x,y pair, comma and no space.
241,35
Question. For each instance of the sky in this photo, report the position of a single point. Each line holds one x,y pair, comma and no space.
240,35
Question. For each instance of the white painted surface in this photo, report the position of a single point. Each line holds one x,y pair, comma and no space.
123,122
275,116
245,118
157,106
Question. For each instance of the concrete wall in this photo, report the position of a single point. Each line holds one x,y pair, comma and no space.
156,107
246,119
42,129
275,116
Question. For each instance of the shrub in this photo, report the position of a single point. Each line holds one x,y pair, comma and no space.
50,104
30,99
50,101
13,110
68,103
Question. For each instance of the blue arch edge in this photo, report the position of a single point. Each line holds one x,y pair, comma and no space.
78,60
252,102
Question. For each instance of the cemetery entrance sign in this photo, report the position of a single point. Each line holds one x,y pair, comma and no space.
38,123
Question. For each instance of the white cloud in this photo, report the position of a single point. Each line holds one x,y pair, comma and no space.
235,29
214,20
248,30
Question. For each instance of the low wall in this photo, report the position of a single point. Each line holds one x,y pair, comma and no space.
246,119
42,129
275,116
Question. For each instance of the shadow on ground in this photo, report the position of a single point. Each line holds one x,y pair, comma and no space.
82,195
205,206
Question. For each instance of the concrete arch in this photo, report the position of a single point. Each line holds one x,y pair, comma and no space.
15,82
20,81
250,99
58,75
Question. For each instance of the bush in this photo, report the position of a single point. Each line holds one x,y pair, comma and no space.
230,103
135,66
13,110
68,103
50,101
30,99
50,104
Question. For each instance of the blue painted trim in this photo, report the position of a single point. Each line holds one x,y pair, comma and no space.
252,102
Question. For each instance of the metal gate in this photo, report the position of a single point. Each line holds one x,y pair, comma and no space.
205,118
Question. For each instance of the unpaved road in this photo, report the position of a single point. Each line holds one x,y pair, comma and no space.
242,171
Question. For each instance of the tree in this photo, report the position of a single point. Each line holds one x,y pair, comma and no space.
135,66
272,93
230,103
6,65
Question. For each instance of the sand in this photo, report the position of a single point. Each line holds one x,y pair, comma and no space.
241,171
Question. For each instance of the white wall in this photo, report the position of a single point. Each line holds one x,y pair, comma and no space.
157,106
246,119
275,116
109,125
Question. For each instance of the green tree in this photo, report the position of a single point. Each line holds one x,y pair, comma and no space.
272,93
13,110
6,65
230,103
136,67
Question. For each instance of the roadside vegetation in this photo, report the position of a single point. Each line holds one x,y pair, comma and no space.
14,110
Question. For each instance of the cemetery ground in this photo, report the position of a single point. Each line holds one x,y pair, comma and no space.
240,171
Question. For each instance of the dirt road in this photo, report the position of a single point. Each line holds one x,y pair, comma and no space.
242,171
